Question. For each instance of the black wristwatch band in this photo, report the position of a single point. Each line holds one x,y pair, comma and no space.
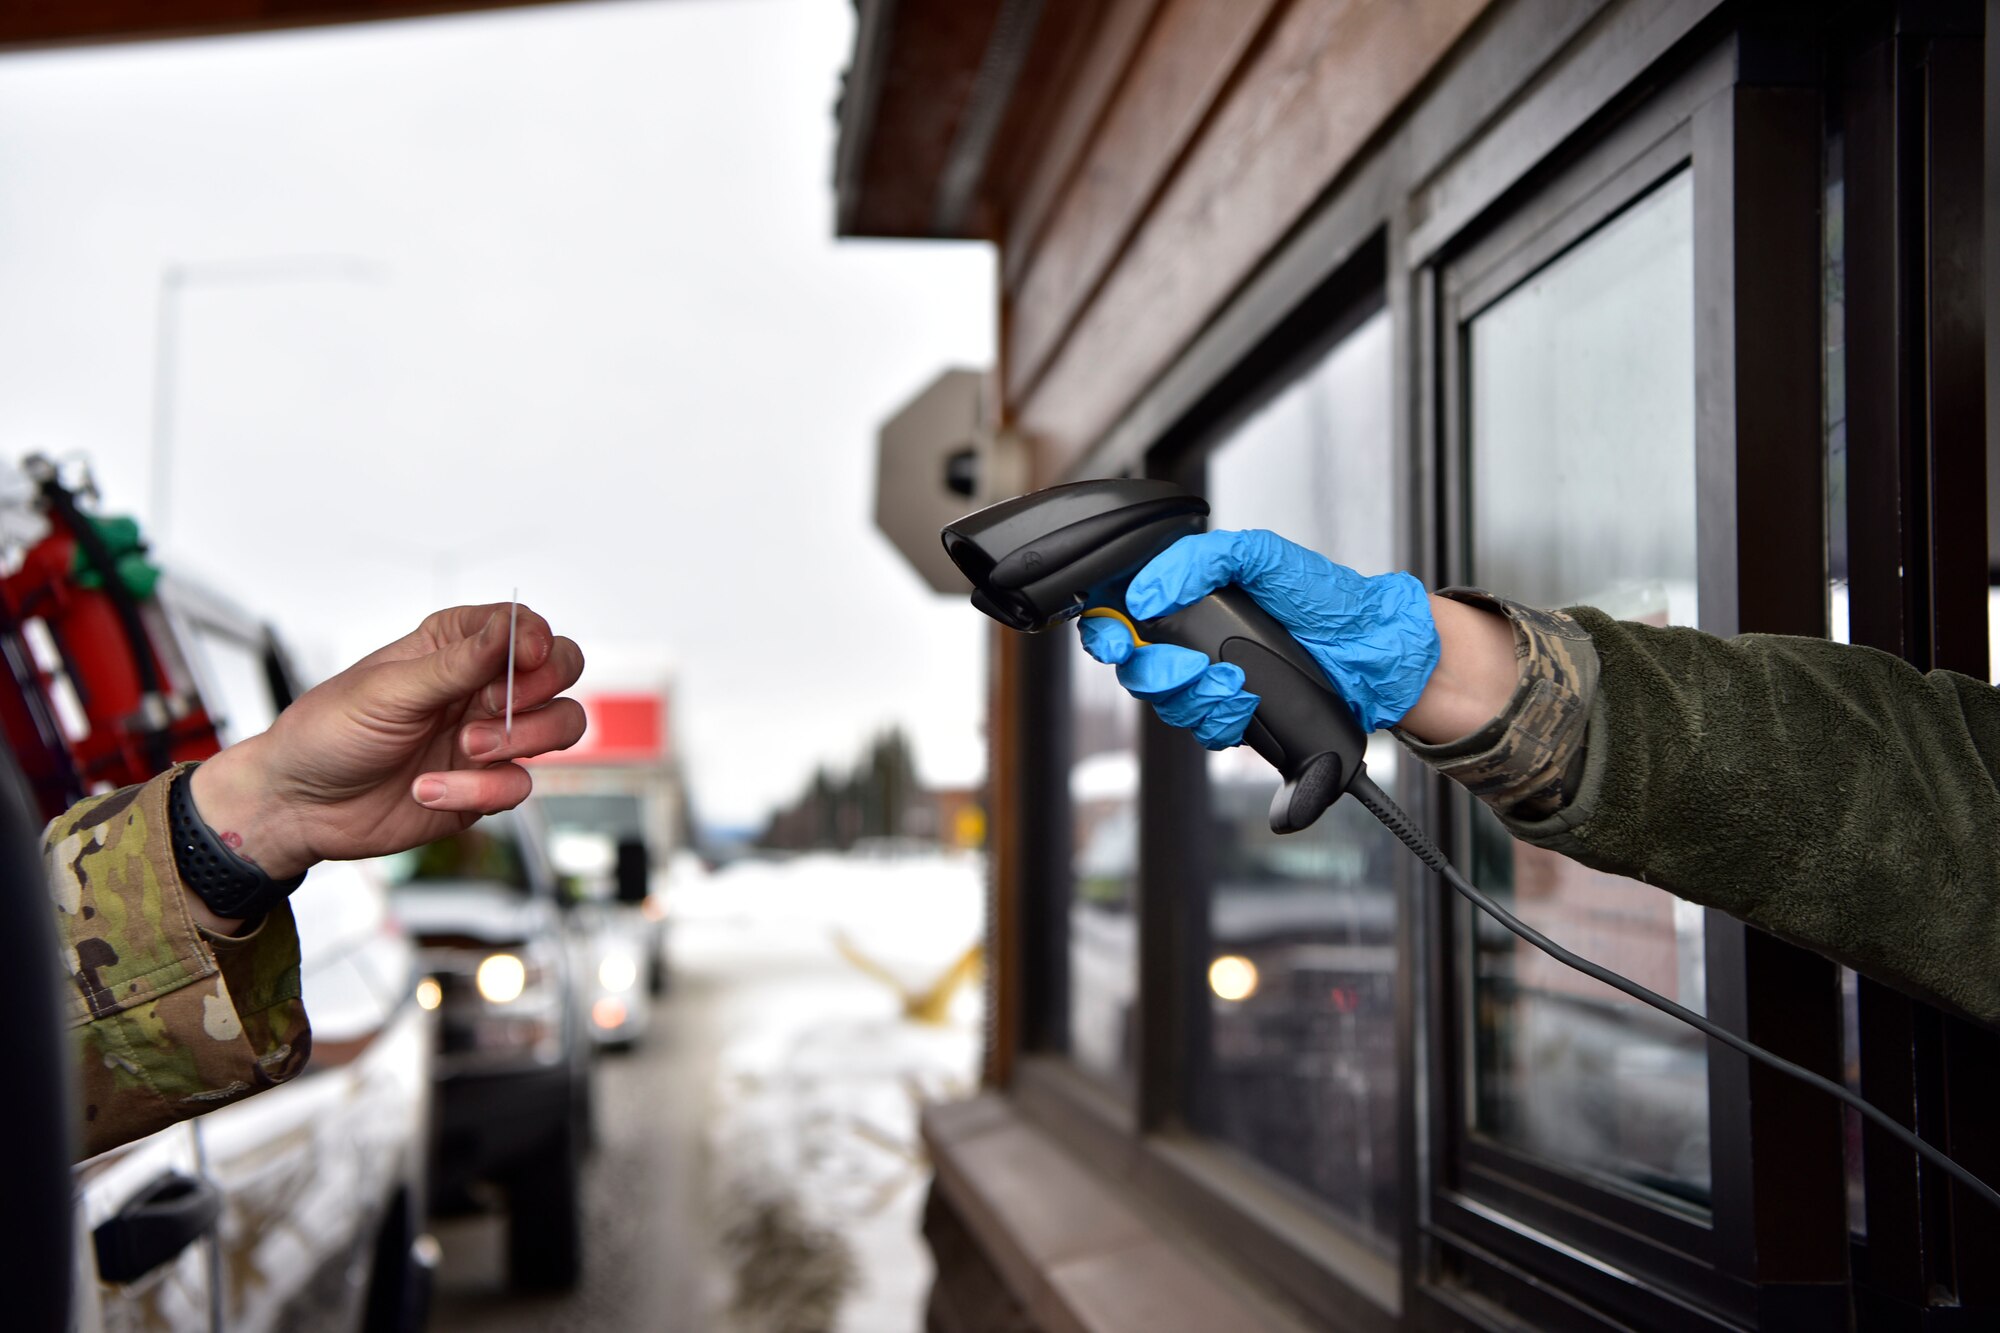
231,886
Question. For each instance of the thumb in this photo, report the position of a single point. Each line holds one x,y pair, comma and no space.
449,674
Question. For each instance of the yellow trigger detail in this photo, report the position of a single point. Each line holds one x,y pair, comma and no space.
1112,613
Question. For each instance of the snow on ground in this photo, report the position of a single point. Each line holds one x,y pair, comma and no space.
816,1166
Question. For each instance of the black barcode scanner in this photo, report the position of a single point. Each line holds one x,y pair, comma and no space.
1069,551
1051,556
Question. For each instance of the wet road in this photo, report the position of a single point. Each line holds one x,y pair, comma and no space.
650,1260
775,1098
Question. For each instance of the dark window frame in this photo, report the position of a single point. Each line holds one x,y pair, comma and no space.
1501,1222
1903,86
1044,843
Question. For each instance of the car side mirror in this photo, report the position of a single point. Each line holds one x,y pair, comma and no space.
635,871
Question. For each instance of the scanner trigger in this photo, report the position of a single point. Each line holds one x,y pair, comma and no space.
1113,613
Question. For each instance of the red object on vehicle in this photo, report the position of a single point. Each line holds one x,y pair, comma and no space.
131,709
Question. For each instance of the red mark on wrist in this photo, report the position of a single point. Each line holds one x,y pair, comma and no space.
234,842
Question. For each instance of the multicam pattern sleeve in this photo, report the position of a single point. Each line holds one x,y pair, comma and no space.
168,1020
1526,763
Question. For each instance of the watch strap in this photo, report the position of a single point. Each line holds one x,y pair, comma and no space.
231,885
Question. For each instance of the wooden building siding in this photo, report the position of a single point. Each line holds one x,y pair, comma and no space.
1076,84
1175,78
1228,121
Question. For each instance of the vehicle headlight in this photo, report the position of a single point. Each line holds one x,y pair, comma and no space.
617,972
504,1004
501,978
1232,977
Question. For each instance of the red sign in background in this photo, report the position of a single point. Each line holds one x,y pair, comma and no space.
623,729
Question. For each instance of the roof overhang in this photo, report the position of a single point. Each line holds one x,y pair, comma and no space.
926,92
29,23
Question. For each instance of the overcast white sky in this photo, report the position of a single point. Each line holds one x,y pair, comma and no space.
611,351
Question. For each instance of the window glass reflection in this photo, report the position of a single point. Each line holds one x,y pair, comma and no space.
1583,491
1299,1066
1104,863
234,677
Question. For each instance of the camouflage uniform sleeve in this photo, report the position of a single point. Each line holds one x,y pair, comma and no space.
168,1021
1528,762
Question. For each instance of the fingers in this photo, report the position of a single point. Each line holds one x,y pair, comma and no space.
500,785
1160,669
560,667
532,636
555,726
1106,639
1214,706
455,624
1184,687
479,791
456,657
451,671
454,653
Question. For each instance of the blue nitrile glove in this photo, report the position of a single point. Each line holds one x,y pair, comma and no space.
1185,688
1372,636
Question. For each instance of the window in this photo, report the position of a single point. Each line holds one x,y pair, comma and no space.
485,856
613,815
1298,1069
241,686
1580,413
1833,394
1104,871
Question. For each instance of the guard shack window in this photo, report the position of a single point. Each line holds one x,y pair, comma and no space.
1103,926
1609,433
1297,1066
1580,393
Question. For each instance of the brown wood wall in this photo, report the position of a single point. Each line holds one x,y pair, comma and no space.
1187,137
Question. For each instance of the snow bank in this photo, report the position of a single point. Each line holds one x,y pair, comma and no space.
816,1161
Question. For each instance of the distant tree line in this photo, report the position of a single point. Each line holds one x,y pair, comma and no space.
879,797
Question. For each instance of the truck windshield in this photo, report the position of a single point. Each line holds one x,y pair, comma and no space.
616,816
488,853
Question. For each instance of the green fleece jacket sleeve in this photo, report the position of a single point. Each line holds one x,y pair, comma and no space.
1830,794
